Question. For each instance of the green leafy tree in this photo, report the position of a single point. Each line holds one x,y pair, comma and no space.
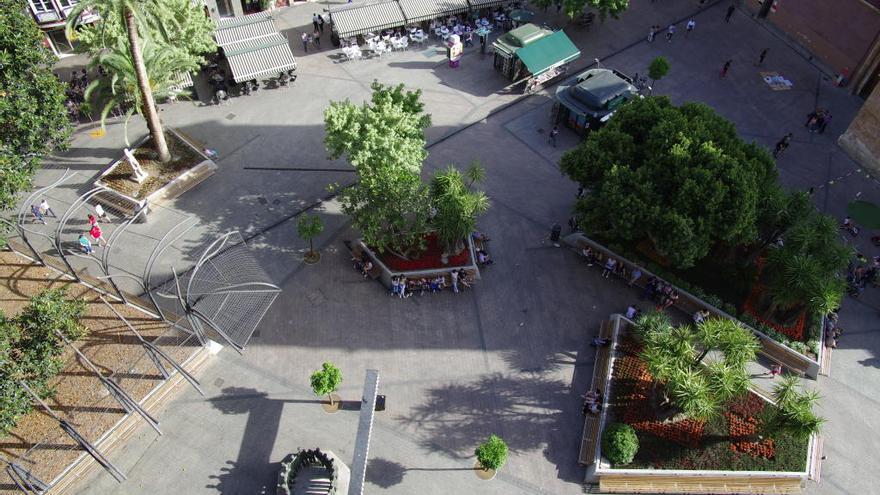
793,413
178,26
456,206
675,358
777,213
309,227
679,177
30,350
614,8
658,69
34,119
384,140
134,14
121,90
620,443
492,454
326,380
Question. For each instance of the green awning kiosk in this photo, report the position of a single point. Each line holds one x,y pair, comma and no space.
533,54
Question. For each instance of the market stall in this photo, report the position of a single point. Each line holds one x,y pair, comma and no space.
533,55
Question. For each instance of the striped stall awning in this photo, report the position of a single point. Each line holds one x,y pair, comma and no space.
265,56
363,18
257,28
485,4
423,10
243,19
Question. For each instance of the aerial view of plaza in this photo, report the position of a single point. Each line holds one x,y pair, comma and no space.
437,247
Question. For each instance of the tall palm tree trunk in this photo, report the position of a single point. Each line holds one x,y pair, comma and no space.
149,104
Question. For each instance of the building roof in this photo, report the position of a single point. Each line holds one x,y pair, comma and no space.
595,92
520,37
547,52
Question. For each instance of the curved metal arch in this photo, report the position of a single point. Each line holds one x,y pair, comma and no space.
63,222
208,254
161,247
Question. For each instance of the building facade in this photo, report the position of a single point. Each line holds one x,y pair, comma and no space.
51,16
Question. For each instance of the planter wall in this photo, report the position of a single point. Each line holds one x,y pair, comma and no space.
387,274
690,303
182,183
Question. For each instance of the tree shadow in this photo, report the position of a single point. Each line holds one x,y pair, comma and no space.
528,412
384,473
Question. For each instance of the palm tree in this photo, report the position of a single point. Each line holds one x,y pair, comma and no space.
457,207
121,89
133,12
794,410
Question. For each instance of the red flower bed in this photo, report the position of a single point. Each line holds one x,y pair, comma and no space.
427,260
795,331
743,423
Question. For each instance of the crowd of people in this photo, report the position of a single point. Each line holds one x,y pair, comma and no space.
404,287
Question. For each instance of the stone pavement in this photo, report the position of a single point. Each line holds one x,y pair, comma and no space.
509,357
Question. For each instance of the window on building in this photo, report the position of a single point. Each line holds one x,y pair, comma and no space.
40,6
67,3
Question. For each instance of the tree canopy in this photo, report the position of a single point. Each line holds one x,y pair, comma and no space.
326,380
456,206
384,140
677,176
614,8
31,101
179,28
675,355
492,454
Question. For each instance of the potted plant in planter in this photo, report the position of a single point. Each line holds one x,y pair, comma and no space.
325,381
491,455
620,444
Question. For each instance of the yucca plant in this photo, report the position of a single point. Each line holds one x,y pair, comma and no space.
793,413
456,207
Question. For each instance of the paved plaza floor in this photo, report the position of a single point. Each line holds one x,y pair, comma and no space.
511,356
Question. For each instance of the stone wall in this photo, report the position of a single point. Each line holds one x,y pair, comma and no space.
862,139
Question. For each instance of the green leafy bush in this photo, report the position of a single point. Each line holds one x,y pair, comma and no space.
30,350
620,443
492,454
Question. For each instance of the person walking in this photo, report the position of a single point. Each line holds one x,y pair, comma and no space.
826,119
102,215
669,32
315,21
305,40
317,39
762,56
553,133
690,27
85,244
97,235
35,211
725,68
321,23
454,277
651,33
730,11
45,209
782,145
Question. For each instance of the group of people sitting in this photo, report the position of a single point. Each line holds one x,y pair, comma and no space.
592,402
404,287
660,292
861,272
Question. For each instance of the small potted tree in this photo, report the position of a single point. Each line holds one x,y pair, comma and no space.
325,381
309,227
620,444
657,70
491,455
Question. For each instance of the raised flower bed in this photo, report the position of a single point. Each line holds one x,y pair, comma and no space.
187,168
428,264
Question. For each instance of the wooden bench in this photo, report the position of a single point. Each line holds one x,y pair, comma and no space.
590,437
699,484
774,352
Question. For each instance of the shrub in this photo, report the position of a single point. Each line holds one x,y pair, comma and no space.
620,443
492,454
30,350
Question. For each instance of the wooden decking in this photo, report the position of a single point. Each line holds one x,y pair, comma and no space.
590,437
698,484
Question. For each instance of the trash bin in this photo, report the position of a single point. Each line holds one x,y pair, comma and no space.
555,233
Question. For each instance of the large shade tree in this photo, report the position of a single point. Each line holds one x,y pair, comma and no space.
384,140
134,15
614,8
34,119
700,369
678,177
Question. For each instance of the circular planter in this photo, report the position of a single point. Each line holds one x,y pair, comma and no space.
483,473
312,258
334,405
